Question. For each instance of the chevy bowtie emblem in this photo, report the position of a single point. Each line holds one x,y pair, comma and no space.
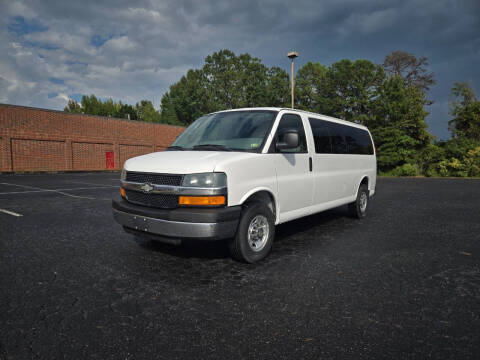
147,188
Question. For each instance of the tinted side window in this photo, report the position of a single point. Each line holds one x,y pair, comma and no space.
353,147
292,122
321,136
358,141
337,134
365,142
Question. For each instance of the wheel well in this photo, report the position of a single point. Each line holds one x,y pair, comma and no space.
265,197
364,181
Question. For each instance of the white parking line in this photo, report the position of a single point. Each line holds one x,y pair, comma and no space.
58,191
54,190
10,212
88,183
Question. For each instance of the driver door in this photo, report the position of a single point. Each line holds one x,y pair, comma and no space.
295,181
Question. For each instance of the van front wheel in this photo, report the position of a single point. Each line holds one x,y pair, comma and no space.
358,208
255,233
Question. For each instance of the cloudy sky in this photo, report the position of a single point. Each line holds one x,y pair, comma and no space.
53,50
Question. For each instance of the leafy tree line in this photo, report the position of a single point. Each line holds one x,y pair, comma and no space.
389,98
143,110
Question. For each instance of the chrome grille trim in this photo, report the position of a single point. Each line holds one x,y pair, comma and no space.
175,190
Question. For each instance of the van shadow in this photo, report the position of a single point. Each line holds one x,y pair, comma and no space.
300,228
303,225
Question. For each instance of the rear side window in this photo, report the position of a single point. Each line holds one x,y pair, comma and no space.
334,138
358,141
292,122
337,134
321,136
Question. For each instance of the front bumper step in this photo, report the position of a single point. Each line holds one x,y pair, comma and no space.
133,217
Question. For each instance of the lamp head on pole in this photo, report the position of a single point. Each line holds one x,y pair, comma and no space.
292,55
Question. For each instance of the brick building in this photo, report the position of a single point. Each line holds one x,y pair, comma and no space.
33,139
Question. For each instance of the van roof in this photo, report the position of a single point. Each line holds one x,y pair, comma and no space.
320,116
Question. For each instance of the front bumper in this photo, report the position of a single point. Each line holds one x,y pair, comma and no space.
189,223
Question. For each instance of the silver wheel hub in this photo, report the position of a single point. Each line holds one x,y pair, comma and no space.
363,202
258,231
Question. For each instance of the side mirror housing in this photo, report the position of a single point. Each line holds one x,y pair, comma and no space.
290,140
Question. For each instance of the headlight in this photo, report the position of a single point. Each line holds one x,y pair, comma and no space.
207,180
123,174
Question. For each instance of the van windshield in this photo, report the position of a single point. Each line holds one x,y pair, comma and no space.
227,131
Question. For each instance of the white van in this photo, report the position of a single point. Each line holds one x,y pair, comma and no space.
236,174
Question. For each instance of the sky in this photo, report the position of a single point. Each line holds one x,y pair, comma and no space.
52,51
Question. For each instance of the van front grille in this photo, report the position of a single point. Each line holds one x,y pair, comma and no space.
164,201
158,179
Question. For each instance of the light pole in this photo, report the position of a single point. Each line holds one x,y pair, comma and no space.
292,55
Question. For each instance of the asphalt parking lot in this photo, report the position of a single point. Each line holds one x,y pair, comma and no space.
402,283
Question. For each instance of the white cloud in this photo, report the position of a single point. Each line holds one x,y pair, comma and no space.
119,44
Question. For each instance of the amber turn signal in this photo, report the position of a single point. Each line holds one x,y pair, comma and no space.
201,200
122,192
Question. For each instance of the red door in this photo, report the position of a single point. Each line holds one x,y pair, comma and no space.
110,160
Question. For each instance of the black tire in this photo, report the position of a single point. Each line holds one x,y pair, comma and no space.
239,246
355,208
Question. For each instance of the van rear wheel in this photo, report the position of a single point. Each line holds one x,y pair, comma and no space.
358,208
255,233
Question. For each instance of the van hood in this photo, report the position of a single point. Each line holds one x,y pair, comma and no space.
183,162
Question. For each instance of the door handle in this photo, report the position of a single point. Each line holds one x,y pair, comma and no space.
310,163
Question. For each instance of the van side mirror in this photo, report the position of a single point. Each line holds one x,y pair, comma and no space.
290,140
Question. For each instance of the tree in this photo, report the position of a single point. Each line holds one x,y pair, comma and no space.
73,107
398,124
168,114
410,68
277,88
312,88
346,89
146,111
93,106
465,109
226,81
235,82
354,86
126,111
189,98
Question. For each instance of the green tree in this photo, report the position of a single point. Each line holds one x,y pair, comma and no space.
146,111
73,107
93,106
188,99
312,91
225,81
398,124
235,81
465,109
168,114
346,89
277,88
354,86
126,111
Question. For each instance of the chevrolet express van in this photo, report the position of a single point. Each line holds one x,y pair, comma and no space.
236,174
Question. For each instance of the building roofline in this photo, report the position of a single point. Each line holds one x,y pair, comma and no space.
81,114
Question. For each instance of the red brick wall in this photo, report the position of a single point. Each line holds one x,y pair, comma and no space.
47,140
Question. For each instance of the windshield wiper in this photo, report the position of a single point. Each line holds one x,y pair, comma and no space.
214,147
175,147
